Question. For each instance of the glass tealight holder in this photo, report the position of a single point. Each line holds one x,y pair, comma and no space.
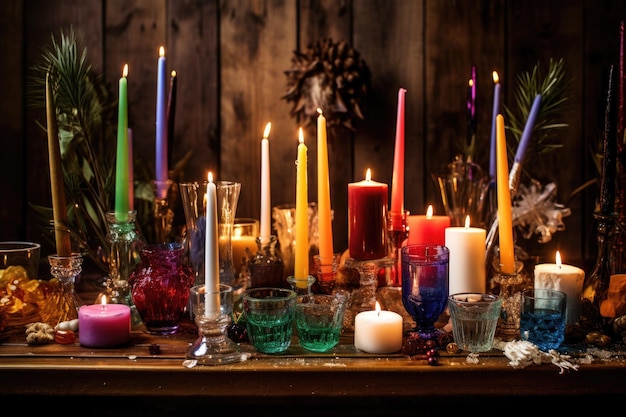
212,315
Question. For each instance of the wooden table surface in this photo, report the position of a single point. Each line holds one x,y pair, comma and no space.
122,380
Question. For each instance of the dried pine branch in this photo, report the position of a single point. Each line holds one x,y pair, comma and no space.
552,87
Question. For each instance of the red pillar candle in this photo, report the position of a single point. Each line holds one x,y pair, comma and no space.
427,229
367,218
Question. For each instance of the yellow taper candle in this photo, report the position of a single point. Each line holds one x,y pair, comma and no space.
301,266
59,208
323,197
505,220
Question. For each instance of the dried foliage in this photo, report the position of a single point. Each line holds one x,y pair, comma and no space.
553,88
84,114
330,76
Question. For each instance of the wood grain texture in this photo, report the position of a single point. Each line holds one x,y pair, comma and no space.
459,34
389,37
13,206
231,56
257,39
319,20
536,31
192,39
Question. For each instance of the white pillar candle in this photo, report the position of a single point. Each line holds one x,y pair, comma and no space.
566,278
378,331
467,258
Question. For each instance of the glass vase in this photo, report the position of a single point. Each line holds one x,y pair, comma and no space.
464,191
126,242
285,225
160,286
64,302
509,284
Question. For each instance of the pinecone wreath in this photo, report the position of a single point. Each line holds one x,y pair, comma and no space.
330,76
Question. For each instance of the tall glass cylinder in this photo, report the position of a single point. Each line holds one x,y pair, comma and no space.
285,225
194,206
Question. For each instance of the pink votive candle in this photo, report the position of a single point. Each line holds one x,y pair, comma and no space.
104,325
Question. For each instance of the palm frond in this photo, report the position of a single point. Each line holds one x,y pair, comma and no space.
84,115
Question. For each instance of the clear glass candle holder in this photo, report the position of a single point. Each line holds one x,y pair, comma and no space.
213,346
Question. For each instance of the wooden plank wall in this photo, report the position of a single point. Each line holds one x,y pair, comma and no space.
231,55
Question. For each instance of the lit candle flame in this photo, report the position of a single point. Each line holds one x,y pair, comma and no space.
210,176
125,71
161,51
377,309
173,74
429,212
496,78
319,111
470,83
300,135
558,259
368,175
266,132
467,222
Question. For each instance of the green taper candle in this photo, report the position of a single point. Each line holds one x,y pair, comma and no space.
121,167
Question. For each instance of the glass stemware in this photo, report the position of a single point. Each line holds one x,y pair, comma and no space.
425,286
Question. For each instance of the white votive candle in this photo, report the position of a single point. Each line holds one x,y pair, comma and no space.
378,331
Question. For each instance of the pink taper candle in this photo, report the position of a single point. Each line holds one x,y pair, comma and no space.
397,185
266,205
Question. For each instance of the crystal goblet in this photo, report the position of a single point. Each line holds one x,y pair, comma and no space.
425,286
